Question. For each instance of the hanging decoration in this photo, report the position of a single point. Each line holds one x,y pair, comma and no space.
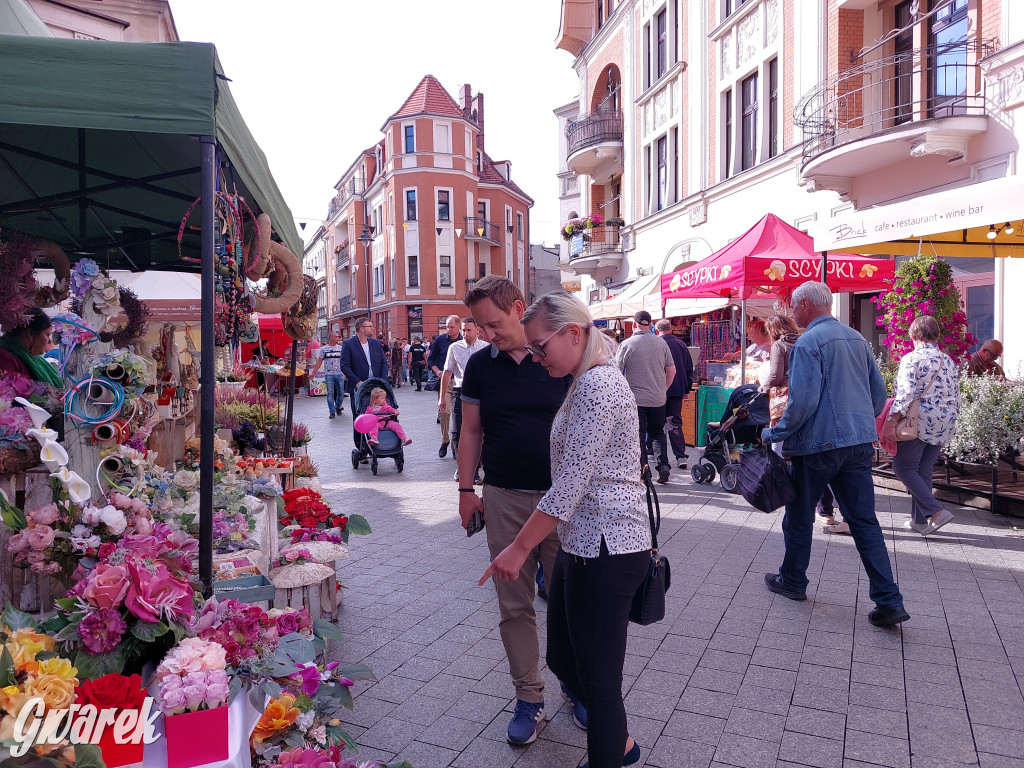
134,329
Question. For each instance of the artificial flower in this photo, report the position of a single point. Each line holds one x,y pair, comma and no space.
101,630
279,714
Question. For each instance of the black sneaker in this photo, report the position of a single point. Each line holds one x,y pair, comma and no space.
442,451
888,617
331,416
663,472
774,582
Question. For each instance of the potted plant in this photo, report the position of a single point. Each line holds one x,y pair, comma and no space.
235,378
991,419
300,439
615,222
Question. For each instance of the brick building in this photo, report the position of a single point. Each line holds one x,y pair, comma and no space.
421,215
695,118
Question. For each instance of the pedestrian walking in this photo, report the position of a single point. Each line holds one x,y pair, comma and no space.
417,362
929,377
362,357
329,358
646,362
438,354
835,393
405,361
508,403
678,391
596,502
395,363
451,380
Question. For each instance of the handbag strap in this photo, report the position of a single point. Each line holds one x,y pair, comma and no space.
652,506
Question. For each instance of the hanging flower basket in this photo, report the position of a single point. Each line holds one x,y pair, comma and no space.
576,226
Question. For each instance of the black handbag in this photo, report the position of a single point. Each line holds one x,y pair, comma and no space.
649,601
763,479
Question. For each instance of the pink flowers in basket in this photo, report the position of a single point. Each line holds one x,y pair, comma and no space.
193,676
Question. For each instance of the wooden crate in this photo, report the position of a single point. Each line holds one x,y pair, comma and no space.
320,599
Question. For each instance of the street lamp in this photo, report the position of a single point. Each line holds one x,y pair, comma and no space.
366,238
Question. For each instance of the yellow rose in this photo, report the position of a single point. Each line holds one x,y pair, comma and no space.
33,640
55,691
21,654
60,667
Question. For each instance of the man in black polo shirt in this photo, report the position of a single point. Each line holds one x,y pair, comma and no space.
508,404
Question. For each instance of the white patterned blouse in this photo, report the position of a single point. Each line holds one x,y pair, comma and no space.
596,489
940,404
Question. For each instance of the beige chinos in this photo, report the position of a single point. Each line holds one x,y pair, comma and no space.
505,513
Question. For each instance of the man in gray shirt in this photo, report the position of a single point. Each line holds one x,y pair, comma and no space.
646,362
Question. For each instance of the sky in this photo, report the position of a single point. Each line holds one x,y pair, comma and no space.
316,79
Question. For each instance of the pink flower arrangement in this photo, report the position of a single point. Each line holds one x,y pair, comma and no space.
154,594
101,630
245,631
297,556
193,676
314,534
289,621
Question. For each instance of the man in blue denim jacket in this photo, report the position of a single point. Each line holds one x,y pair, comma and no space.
835,393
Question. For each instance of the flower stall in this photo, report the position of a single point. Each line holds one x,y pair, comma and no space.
116,530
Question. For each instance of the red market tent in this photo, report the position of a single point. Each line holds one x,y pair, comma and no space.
769,260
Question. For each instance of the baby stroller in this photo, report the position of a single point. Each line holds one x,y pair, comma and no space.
388,445
746,414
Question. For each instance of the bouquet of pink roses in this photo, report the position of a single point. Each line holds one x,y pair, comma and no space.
193,676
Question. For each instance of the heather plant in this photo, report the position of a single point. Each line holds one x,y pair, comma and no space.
924,286
233,406
991,420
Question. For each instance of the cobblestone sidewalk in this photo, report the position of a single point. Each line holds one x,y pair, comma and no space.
734,676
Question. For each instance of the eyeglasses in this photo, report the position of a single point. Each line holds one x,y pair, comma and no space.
537,350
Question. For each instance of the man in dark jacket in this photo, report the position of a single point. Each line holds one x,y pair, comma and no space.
678,390
362,357
435,364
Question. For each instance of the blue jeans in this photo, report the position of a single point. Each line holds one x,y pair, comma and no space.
913,464
848,471
335,391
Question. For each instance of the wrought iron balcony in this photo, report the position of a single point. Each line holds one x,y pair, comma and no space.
344,304
483,230
886,96
602,247
598,127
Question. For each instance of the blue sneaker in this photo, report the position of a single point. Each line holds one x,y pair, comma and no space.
525,722
579,712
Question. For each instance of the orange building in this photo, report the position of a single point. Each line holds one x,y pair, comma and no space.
422,215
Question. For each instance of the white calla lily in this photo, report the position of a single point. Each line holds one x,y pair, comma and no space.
53,455
63,474
78,490
37,414
42,435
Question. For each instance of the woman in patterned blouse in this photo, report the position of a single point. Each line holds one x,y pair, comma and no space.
597,503
930,376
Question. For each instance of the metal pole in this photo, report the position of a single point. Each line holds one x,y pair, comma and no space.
743,342
291,401
366,279
824,267
206,374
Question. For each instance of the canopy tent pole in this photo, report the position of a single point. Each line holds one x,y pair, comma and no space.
206,373
824,267
287,450
743,341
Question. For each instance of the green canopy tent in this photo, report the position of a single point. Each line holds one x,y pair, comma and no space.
103,148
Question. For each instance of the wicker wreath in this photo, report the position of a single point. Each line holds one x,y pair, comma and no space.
300,321
286,280
138,317
257,249
51,295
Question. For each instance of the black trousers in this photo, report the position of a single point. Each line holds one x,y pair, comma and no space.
456,426
652,425
674,426
417,374
588,614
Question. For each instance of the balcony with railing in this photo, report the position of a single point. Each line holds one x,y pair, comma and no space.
344,304
482,230
598,248
916,103
594,144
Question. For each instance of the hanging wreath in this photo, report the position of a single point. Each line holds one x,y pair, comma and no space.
51,295
257,249
137,313
285,285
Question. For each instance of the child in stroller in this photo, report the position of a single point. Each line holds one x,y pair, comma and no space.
746,414
387,434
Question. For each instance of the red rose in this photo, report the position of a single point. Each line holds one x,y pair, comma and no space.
113,690
105,550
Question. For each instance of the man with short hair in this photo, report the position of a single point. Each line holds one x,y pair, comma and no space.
405,360
329,356
983,362
835,393
362,357
508,404
438,354
678,390
417,361
646,362
454,370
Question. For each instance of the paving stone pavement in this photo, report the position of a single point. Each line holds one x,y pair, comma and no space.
734,675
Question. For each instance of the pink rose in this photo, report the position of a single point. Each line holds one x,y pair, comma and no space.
106,550
107,586
18,542
142,525
195,695
287,623
216,695
39,537
172,701
152,595
45,515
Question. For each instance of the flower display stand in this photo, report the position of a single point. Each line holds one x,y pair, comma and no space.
30,592
319,598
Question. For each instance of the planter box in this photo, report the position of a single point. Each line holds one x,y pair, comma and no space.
247,589
115,755
197,738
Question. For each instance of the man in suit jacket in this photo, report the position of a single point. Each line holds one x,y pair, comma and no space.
362,357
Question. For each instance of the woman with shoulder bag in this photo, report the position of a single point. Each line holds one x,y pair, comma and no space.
928,377
597,502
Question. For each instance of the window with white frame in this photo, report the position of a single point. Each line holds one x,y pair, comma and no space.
661,173
410,205
520,234
444,274
413,271
409,133
661,42
443,205
748,122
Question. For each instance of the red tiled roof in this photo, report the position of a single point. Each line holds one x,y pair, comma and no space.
429,97
491,175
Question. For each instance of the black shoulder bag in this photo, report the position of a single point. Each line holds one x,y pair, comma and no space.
649,600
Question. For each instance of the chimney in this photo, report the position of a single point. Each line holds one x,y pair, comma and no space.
479,109
465,99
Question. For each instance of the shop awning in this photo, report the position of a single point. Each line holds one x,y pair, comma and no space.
955,222
17,18
627,303
769,260
693,307
99,147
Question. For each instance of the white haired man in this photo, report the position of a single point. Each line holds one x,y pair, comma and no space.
835,393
